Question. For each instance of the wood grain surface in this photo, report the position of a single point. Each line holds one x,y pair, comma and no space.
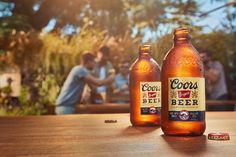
87,135
124,108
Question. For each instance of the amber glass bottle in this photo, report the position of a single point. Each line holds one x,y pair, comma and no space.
145,90
183,88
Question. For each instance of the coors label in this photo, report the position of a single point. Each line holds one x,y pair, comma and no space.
150,97
186,98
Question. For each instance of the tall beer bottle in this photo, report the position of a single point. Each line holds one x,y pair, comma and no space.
145,90
183,88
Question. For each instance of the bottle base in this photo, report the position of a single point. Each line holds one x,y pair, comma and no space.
182,132
145,123
183,128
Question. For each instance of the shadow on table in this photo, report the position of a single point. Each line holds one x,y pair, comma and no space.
187,145
135,131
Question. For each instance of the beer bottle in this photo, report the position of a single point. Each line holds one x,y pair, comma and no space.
145,90
183,88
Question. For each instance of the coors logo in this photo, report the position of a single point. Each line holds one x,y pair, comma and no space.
147,87
177,84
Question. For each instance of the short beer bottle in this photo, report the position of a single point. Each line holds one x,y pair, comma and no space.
145,90
183,88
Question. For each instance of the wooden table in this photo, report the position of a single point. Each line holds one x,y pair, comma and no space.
88,135
124,108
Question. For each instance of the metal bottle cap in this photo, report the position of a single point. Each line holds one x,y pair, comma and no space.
218,136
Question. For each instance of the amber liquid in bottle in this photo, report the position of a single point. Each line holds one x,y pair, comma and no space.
145,90
183,89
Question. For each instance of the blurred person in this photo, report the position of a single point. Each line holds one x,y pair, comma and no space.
216,88
120,84
75,82
102,70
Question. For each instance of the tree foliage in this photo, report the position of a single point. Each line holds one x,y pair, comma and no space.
115,16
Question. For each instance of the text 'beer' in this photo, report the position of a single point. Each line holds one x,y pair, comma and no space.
145,90
183,88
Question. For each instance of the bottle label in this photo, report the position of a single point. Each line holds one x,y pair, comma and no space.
186,98
150,97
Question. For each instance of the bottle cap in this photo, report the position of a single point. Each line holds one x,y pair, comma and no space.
218,136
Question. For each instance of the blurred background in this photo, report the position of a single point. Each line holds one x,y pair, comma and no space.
41,40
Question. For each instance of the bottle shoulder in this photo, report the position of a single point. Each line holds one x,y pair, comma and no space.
145,64
187,54
183,60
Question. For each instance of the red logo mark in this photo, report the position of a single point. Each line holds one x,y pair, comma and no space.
184,94
152,94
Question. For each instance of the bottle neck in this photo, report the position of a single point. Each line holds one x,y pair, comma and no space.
181,41
181,36
145,51
144,55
